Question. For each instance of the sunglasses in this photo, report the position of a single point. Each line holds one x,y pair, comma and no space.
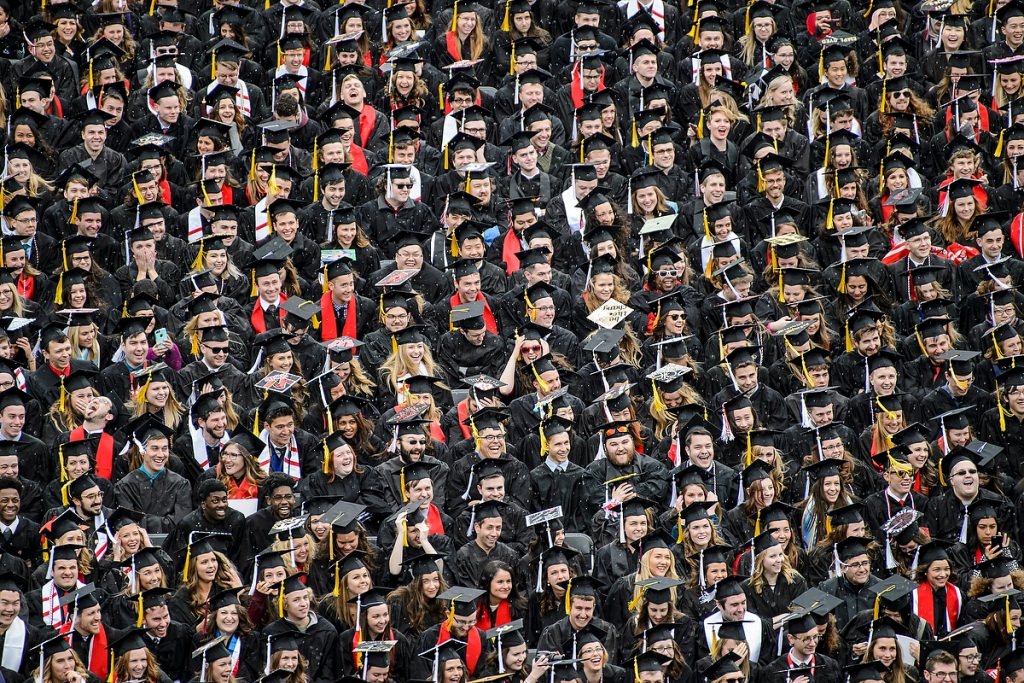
622,429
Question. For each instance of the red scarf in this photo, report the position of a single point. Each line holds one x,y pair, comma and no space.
489,322
367,59
576,85
483,615
60,373
924,604
329,324
474,647
99,652
26,285
462,408
510,246
227,194
242,491
434,523
358,162
104,452
256,319
367,122
165,192
453,45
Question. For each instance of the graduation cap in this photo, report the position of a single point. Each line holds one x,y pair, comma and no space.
817,603
867,672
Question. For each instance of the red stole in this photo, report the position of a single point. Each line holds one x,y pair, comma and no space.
980,195
474,648
436,433
26,285
887,211
329,324
228,194
576,85
451,41
462,408
256,318
367,122
434,523
99,652
104,452
510,246
165,191
358,162
244,490
924,604
367,59
489,321
483,615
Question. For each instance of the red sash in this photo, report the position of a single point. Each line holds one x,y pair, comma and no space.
26,286
367,59
367,122
436,433
99,653
462,409
451,41
256,318
434,523
474,648
246,489
165,192
483,615
329,324
489,321
576,85
104,452
227,193
924,604
359,164
980,195
510,246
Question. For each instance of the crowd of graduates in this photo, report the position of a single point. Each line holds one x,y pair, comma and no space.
530,341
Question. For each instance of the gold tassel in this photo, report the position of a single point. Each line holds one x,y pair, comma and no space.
252,290
634,140
64,493
280,601
999,144
323,284
512,60
195,343
634,604
327,459
327,60
63,466
188,559
197,262
213,66
842,280
1009,622
141,610
58,297
568,598
505,23
657,404
256,423
782,297
401,485
543,440
454,246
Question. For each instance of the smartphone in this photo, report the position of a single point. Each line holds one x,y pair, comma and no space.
161,336
997,540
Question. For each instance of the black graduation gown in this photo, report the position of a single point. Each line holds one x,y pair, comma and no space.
650,482
319,646
405,662
460,478
855,598
550,488
24,542
466,567
366,488
165,500
173,652
944,514
232,524
824,670
772,602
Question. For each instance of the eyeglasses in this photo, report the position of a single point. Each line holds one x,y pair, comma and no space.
963,473
492,437
809,639
902,474
901,93
943,675
532,348
864,564
402,186
216,350
674,316
667,273
971,658
662,649
546,309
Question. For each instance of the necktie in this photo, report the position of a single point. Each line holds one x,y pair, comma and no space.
271,318
8,535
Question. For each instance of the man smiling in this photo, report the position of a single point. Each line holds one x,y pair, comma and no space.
164,497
